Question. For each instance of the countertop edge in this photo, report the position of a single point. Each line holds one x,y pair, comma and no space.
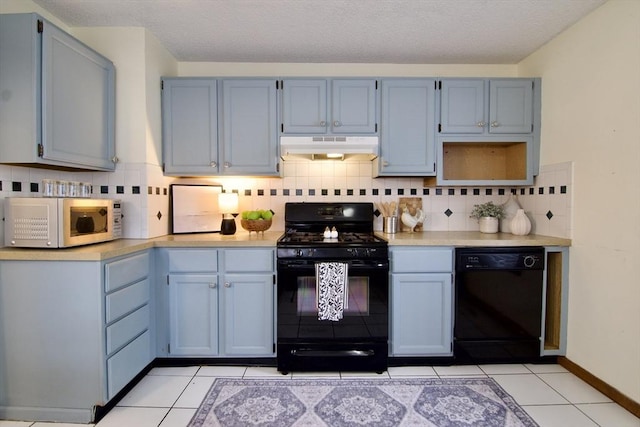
122,247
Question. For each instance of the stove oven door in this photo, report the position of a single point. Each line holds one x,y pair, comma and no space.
307,343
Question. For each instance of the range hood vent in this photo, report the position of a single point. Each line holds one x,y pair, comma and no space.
329,147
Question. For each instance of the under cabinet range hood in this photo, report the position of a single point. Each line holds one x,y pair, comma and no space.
329,147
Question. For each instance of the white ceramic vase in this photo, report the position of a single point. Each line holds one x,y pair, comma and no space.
511,206
488,224
520,224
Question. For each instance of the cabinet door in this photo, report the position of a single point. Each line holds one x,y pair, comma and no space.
248,314
407,127
421,319
58,102
304,106
462,106
353,106
78,102
511,106
249,132
190,126
193,314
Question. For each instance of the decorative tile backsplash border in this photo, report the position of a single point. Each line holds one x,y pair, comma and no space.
547,203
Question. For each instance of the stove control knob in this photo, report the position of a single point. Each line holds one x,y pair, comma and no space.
299,253
353,251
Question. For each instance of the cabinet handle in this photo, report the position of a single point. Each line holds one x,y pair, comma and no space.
385,163
212,285
115,159
227,164
227,284
213,164
480,124
495,124
323,123
337,124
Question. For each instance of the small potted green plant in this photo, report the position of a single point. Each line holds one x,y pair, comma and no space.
488,216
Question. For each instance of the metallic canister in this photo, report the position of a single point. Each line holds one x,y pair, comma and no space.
390,224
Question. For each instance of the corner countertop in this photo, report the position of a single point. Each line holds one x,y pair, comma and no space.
104,251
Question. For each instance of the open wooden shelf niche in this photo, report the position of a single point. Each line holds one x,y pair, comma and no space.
553,312
484,161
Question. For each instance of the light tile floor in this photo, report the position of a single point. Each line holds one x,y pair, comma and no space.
168,397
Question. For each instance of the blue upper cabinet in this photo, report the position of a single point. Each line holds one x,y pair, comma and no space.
190,126
304,106
407,127
511,106
462,106
329,106
489,131
58,106
353,106
248,127
219,127
477,106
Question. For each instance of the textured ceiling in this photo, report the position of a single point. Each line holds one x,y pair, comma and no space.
327,31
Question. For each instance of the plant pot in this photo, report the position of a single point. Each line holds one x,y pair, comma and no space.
488,224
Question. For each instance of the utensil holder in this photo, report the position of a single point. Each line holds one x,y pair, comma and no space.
390,224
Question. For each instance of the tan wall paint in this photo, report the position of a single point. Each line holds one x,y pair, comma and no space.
377,70
591,116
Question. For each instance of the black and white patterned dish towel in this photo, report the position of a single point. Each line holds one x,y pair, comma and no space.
332,282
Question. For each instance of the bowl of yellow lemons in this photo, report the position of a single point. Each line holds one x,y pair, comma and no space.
258,220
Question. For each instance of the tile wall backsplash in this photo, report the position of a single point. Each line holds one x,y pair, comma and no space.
144,191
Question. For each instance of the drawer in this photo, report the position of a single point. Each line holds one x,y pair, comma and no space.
123,366
193,260
126,329
421,260
127,299
121,273
244,260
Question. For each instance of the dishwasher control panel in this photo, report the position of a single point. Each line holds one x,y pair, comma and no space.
527,258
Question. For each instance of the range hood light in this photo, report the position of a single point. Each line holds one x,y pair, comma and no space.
321,156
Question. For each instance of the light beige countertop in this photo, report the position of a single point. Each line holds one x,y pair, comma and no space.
103,251
470,238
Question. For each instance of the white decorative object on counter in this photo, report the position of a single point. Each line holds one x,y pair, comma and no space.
488,224
511,206
411,221
520,224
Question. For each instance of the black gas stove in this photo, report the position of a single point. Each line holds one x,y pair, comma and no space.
332,233
330,230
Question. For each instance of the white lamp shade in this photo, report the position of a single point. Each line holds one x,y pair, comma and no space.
228,203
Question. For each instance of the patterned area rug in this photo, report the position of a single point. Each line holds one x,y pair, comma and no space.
455,402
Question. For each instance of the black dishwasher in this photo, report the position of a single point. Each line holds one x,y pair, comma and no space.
498,304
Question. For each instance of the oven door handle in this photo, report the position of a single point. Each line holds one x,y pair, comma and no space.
353,264
331,353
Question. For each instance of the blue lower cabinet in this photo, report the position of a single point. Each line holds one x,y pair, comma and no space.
220,305
421,301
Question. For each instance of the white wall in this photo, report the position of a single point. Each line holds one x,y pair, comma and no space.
591,116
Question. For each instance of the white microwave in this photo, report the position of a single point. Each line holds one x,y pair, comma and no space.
33,222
